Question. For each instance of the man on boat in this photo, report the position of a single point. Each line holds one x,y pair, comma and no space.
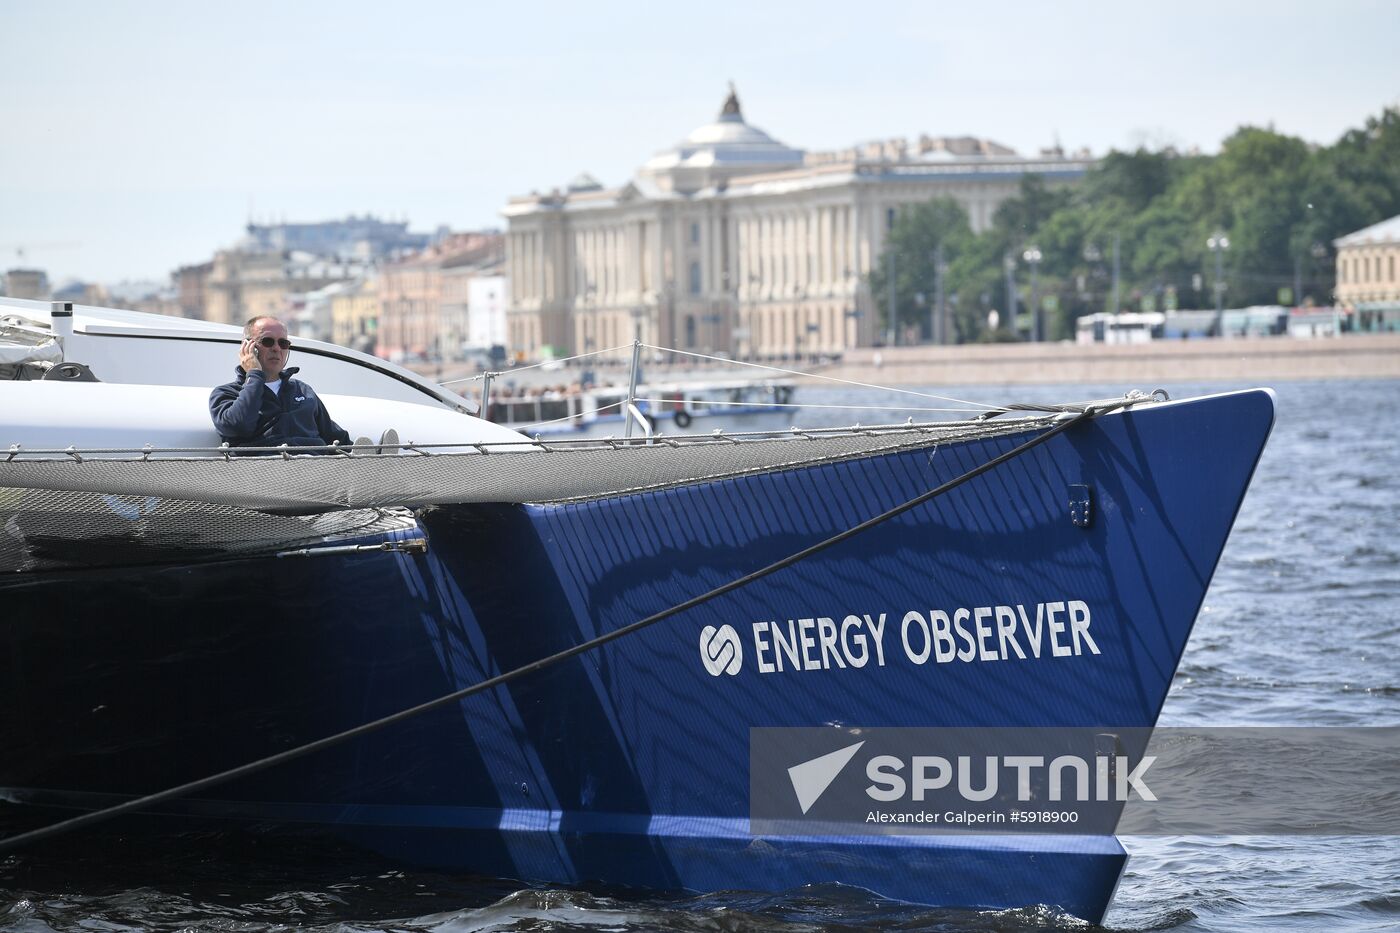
264,406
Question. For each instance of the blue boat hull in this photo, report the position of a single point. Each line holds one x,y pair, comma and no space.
629,764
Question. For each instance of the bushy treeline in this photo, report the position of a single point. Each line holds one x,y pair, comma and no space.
1280,201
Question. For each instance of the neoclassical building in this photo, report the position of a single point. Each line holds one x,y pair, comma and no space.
735,243
1368,285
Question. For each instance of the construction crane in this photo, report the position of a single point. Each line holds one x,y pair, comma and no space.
20,248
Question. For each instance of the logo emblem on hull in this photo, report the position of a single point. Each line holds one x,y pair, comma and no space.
720,650
811,778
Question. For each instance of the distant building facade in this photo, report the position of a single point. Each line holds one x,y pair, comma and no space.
355,315
165,301
362,238
191,286
27,283
313,311
1368,289
464,315
248,281
414,293
86,293
242,284
489,297
734,243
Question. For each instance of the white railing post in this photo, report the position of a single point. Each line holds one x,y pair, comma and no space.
484,413
634,412
632,388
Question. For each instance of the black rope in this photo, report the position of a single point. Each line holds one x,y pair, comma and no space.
100,816
1028,406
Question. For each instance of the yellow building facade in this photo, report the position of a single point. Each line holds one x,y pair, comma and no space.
1368,276
355,315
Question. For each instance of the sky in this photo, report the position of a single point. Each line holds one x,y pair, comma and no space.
136,137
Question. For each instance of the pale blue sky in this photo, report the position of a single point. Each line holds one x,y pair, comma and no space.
134,137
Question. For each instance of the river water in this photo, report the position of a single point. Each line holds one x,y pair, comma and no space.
1301,627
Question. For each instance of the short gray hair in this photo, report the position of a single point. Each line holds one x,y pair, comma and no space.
252,322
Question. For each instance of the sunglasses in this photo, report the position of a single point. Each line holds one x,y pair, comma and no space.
270,342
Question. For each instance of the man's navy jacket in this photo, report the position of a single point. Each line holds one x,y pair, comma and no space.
248,414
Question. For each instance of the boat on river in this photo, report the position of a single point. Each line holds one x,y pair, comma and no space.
171,611
546,410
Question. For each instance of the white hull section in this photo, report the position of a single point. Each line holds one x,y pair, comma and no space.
50,415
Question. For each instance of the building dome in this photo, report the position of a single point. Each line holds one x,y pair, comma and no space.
585,182
717,151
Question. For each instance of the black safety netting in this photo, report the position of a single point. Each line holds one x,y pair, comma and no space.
69,509
541,472
45,529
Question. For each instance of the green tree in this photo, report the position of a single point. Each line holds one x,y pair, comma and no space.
1280,200
1252,192
1130,179
912,246
975,277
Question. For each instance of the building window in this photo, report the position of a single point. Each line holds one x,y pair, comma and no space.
889,218
694,232
689,331
695,278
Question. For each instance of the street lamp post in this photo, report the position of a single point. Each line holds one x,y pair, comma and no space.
1218,244
1033,257
938,325
589,320
1010,263
1117,301
1318,253
1092,256
890,324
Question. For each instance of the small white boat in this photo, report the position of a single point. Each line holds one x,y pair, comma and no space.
551,411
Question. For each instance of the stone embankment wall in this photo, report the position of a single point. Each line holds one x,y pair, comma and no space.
1262,359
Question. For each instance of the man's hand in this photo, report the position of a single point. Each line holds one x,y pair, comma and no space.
248,356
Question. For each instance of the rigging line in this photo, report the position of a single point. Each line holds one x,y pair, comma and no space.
796,372
767,405
520,369
592,411
98,816
52,455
